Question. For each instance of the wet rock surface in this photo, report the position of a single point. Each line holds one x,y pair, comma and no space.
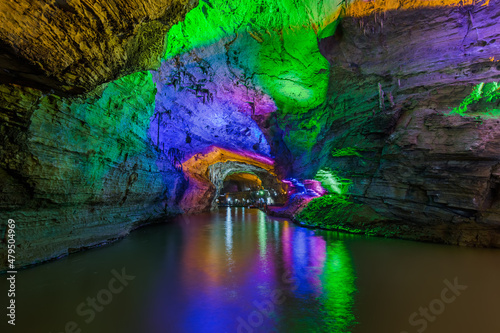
394,77
72,178
77,171
81,171
74,46
207,170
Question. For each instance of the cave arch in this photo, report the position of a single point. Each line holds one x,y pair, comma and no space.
221,170
207,170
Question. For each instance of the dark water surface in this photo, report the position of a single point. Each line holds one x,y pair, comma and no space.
240,271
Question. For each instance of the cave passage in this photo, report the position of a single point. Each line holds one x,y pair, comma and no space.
243,156
248,190
241,189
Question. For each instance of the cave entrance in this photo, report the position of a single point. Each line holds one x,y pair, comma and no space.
242,190
243,185
207,172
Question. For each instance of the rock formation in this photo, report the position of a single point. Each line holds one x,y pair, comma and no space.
398,75
74,46
399,98
207,170
80,171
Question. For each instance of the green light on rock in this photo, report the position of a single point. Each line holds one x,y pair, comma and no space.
213,20
119,111
481,102
274,43
348,151
332,182
330,211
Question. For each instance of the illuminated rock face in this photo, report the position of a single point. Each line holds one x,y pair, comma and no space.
238,182
77,172
73,46
271,90
221,172
198,105
265,49
394,78
388,84
207,170
81,171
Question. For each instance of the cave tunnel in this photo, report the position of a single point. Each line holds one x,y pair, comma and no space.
239,182
240,189
253,165
243,185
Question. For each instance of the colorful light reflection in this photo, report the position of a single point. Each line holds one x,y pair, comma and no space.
313,272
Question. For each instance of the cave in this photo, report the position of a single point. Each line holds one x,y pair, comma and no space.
257,188
250,166
240,189
241,182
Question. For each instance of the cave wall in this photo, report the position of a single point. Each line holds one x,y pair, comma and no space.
266,63
396,78
278,86
221,170
206,171
80,170
386,91
199,103
74,46
239,182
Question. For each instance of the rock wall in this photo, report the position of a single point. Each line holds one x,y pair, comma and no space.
200,104
77,172
74,46
207,170
395,78
393,91
219,173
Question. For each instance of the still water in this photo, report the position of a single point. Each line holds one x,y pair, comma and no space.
238,270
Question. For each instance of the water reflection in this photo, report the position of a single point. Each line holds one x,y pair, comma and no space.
338,281
240,271
262,236
229,236
230,281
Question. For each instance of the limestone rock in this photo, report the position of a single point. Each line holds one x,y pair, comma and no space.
395,78
74,46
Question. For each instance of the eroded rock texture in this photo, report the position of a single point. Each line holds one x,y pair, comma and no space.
207,170
250,93
76,172
394,78
219,172
81,171
201,102
73,46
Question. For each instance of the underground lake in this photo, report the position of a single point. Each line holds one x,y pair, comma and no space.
238,270
185,166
